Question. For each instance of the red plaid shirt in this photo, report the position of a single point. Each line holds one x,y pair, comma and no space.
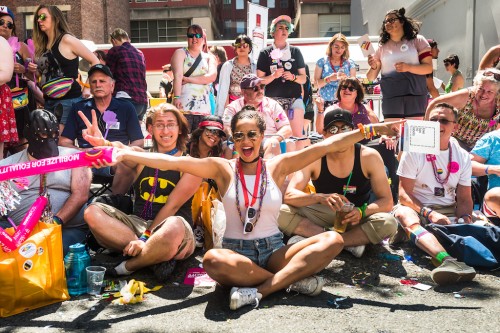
128,66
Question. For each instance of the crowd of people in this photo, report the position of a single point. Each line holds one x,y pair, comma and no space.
228,123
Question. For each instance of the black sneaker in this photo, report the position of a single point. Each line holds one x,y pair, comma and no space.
164,269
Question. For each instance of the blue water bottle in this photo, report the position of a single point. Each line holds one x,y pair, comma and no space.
75,263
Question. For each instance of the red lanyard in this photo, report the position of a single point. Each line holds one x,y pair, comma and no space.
255,186
333,67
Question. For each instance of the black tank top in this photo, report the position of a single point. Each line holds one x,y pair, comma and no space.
359,188
167,181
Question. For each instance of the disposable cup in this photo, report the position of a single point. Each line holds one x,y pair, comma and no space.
95,277
338,226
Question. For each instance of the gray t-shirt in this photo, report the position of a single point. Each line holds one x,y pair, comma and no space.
58,185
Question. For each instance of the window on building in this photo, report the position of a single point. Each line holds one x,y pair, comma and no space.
240,27
331,24
271,4
240,4
256,1
28,24
152,31
226,2
228,27
284,3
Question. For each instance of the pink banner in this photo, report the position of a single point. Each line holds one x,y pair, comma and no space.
81,159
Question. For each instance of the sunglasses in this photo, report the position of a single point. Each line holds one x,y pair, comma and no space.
350,88
491,73
391,20
41,17
248,226
334,129
257,88
443,121
241,45
10,25
194,35
212,132
240,136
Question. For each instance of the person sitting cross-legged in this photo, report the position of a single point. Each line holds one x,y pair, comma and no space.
347,175
432,189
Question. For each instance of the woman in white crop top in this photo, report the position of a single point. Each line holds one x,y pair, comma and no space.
253,256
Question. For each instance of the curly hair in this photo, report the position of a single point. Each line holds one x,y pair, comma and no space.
411,27
59,25
164,108
248,113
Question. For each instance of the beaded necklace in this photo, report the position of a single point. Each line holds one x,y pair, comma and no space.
262,190
147,210
432,159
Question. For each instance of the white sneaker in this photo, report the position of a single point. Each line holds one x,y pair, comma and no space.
356,251
310,286
295,239
239,297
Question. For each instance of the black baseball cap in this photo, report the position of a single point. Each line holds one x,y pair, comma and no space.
335,115
101,68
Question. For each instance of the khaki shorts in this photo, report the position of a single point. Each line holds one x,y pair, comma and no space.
377,227
448,211
139,225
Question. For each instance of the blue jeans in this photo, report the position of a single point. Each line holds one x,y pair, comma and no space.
52,105
257,250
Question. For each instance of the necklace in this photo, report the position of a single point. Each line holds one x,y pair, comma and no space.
260,177
451,168
333,67
147,210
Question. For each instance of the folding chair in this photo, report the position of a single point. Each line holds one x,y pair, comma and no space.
99,186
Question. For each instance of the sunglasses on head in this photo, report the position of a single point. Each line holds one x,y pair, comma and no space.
334,129
442,121
41,17
491,73
350,88
194,35
240,136
257,87
391,20
10,25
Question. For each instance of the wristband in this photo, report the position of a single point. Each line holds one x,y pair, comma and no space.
177,97
321,112
281,136
363,209
486,170
145,235
360,212
57,220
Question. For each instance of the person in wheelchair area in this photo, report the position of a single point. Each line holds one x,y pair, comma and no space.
486,161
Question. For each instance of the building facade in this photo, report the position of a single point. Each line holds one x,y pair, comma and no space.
324,18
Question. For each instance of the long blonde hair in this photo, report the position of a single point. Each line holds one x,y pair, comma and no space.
59,26
341,38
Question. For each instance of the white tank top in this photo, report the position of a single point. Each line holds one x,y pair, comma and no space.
267,224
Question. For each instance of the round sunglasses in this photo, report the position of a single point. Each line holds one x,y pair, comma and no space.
10,25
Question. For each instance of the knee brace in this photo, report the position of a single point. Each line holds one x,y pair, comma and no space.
415,231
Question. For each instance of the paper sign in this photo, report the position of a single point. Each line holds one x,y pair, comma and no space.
437,82
419,136
198,277
365,45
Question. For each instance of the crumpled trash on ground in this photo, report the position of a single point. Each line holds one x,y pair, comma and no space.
133,292
340,302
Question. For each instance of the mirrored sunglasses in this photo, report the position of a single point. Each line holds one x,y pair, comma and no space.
240,136
41,17
194,35
241,45
334,129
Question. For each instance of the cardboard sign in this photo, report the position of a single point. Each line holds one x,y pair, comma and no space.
365,45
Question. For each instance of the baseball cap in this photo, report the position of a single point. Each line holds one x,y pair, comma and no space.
280,18
213,123
337,115
101,68
7,11
250,81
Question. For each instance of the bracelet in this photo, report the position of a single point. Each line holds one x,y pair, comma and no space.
321,111
145,235
360,212
176,97
57,220
363,209
362,130
425,212
281,136
486,170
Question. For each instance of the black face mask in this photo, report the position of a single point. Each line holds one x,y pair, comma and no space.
42,123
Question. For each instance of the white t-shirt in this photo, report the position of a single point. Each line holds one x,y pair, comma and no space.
415,166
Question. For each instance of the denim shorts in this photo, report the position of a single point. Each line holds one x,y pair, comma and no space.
66,104
257,250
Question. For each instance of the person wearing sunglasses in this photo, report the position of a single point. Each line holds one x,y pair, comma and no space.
478,107
282,69
57,53
277,124
128,65
337,182
192,91
332,68
456,81
436,189
233,71
158,232
403,58
253,259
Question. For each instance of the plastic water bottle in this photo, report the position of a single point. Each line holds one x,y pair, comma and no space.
75,263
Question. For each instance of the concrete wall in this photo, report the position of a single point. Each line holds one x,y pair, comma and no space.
309,25
467,28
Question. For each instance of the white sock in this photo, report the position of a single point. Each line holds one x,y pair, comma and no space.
121,270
